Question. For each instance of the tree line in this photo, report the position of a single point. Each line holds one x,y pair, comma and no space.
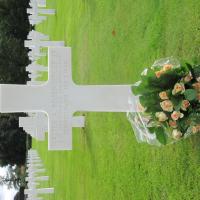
14,28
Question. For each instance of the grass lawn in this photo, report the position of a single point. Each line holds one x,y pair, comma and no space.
112,41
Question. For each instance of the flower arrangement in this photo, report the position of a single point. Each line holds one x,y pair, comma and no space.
169,92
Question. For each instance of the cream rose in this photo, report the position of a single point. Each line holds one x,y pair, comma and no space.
178,88
161,116
176,115
176,134
188,78
198,79
196,86
173,124
185,105
159,73
163,95
167,105
195,129
167,67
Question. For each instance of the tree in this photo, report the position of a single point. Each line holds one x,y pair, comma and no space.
14,18
12,178
13,59
14,27
20,195
12,140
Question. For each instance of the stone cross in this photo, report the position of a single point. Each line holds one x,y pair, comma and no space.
37,124
35,41
35,54
60,98
34,20
34,67
38,43
33,179
41,3
34,10
35,35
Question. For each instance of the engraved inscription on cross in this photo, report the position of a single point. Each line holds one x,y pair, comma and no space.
60,98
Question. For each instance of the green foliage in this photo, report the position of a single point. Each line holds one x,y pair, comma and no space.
160,135
177,101
12,178
14,27
190,94
171,81
20,195
12,140
14,18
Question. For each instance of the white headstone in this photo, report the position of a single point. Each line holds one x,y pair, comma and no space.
60,98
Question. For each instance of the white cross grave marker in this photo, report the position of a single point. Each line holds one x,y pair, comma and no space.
34,67
60,98
34,10
34,20
35,35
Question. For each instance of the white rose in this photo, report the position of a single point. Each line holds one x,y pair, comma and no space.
161,116
176,134
178,88
198,79
188,78
167,67
176,115
196,86
163,95
185,104
167,105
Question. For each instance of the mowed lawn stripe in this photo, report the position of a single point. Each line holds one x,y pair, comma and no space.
112,42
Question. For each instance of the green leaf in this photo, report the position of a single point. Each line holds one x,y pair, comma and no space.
135,90
196,71
151,130
152,103
177,102
160,135
190,94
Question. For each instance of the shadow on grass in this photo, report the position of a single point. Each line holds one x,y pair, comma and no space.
89,146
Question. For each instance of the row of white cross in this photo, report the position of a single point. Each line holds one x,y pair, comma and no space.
36,124
36,41
34,178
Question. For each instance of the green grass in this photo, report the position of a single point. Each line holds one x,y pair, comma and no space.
112,41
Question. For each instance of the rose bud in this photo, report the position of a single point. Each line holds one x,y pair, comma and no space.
172,124
188,78
163,95
167,105
161,116
196,86
176,134
159,73
167,67
176,115
178,88
195,129
185,105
